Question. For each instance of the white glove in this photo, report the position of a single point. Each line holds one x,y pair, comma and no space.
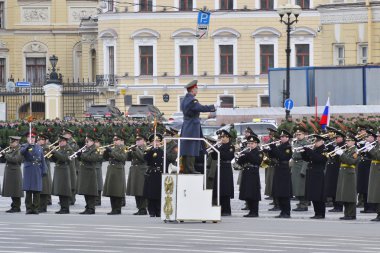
339,152
369,147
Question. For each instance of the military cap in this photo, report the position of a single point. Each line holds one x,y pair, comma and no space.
271,130
42,136
117,136
91,137
320,137
285,133
15,138
371,132
224,133
253,138
62,137
66,130
339,133
192,84
351,137
140,137
210,139
157,137
362,127
300,129
32,134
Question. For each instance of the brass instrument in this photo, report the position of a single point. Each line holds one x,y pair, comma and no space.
53,144
75,155
332,153
330,143
129,149
216,145
52,149
301,148
268,144
344,148
265,162
2,152
101,149
363,149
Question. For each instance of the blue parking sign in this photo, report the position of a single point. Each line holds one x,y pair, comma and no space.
204,18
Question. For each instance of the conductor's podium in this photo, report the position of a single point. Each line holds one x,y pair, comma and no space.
183,198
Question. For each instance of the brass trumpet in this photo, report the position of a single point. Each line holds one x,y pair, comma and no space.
50,153
53,144
75,155
268,144
128,149
103,148
2,152
216,145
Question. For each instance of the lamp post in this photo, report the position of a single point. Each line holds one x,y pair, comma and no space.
288,15
53,76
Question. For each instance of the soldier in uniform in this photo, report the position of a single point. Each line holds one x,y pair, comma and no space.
315,176
135,184
362,133
12,181
46,181
212,165
99,172
62,177
227,153
363,169
34,169
171,147
346,189
250,161
191,127
332,169
114,185
298,167
73,163
87,177
374,176
154,157
282,185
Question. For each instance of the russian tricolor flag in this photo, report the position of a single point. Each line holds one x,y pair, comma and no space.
325,119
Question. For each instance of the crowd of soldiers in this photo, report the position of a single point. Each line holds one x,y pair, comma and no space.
333,167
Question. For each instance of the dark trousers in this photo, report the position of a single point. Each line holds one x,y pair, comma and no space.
368,206
154,207
64,202
73,196
141,202
225,203
16,203
319,208
98,200
90,202
284,205
43,201
303,203
32,200
337,205
349,209
188,164
116,203
253,206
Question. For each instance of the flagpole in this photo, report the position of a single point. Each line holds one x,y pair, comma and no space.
155,132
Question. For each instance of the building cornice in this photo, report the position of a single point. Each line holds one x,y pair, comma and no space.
348,13
201,86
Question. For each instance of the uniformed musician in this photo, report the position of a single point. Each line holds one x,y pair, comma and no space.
374,175
74,164
250,160
46,181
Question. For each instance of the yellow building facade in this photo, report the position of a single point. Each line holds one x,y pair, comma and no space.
140,51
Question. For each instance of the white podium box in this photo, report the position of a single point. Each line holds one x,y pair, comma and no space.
183,198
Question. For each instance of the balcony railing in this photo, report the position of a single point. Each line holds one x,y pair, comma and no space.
105,80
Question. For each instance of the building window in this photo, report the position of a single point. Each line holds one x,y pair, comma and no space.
266,4
264,101
226,4
187,60
2,15
111,5
226,101
180,99
302,55
146,100
185,5
266,58
3,80
226,59
87,103
93,64
304,4
146,5
36,70
146,60
339,54
111,60
362,53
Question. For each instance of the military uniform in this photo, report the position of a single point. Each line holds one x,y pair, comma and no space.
227,153
250,161
315,178
154,158
12,181
114,185
99,177
374,179
346,188
46,181
298,167
62,178
136,177
87,176
34,169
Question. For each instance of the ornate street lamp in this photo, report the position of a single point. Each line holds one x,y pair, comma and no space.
53,76
288,15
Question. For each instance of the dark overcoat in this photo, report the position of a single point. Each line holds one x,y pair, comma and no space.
62,179
374,176
298,169
364,165
74,164
114,184
154,158
191,126
282,183
227,153
250,186
346,189
136,176
12,181
34,167
47,180
315,176
87,176
332,172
